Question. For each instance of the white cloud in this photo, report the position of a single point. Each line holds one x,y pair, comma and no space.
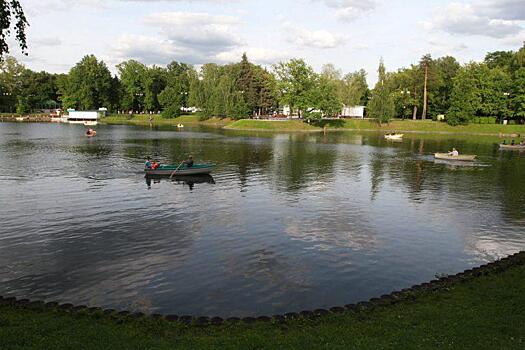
45,41
503,9
193,38
255,54
311,38
485,18
348,10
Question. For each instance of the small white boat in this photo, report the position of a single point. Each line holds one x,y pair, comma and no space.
461,157
394,136
180,125
90,123
19,119
512,147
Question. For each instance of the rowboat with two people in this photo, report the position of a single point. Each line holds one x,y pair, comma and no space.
186,167
393,136
454,155
512,146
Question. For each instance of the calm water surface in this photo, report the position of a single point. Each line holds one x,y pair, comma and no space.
288,222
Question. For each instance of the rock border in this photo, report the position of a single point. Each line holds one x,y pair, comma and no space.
395,297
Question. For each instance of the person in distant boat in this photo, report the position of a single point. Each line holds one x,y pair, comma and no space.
453,153
504,142
147,165
155,165
522,143
189,162
512,143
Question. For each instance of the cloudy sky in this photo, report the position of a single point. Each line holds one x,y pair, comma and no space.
351,34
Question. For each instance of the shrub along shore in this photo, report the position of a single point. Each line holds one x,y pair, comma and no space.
398,125
482,308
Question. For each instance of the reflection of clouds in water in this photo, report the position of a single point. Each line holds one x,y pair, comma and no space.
493,245
269,269
327,234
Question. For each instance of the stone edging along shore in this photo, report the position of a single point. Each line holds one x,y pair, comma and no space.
406,294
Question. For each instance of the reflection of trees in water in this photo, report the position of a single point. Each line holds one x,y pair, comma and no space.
189,180
297,164
378,162
509,178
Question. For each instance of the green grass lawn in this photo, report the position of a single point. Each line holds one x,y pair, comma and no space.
485,312
432,126
156,119
426,126
271,125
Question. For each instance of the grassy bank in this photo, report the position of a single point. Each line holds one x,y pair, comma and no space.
271,125
431,127
144,119
484,312
370,125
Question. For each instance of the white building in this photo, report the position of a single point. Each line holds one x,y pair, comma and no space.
85,117
353,112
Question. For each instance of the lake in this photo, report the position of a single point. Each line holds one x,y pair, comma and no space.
287,222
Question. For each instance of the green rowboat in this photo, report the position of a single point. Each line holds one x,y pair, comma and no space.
196,169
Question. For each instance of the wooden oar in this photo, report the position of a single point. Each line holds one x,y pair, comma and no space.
176,169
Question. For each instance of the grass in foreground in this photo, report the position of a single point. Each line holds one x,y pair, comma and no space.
487,312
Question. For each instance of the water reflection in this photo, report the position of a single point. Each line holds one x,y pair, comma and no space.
189,180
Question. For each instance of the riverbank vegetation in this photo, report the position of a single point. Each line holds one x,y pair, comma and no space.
481,312
478,92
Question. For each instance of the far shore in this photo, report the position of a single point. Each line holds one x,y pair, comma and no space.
296,125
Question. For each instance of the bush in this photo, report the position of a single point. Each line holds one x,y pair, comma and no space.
484,120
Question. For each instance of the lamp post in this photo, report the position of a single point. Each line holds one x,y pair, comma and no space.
507,95
139,94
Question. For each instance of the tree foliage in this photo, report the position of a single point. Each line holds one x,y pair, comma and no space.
87,86
11,12
381,106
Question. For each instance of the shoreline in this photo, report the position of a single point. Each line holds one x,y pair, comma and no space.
298,126
444,309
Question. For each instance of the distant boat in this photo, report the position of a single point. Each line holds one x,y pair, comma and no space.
462,157
90,123
512,147
19,119
196,169
180,125
394,136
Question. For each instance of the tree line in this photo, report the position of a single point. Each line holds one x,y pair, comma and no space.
494,88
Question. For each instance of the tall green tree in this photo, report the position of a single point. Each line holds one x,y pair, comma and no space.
87,86
10,83
354,90
518,94
38,89
381,106
155,82
176,93
11,11
133,79
296,82
466,94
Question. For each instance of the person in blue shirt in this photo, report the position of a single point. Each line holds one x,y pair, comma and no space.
147,165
